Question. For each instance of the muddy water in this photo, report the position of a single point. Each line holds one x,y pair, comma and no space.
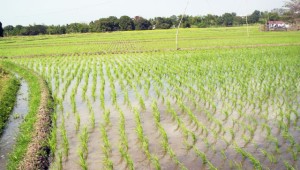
227,159
20,110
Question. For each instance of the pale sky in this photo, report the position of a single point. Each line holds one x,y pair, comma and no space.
25,12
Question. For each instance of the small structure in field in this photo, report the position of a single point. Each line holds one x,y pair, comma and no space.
276,26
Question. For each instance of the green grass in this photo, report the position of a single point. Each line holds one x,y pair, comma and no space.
142,41
26,128
9,86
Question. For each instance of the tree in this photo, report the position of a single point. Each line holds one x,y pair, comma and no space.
254,17
186,21
1,30
126,23
19,30
294,8
113,23
228,19
34,30
174,20
8,30
273,16
210,20
238,20
163,23
141,23
77,28
105,24
53,29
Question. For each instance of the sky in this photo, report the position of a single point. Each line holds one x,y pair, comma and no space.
26,12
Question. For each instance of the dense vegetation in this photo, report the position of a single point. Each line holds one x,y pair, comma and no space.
125,23
9,86
1,30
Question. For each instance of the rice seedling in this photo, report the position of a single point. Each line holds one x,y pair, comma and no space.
214,100
77,125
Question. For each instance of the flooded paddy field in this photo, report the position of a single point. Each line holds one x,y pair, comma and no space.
237,108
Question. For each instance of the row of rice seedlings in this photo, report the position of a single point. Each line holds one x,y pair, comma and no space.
86,83
269,155
66,81
52,141
255,162
144,141
78,121
188,133
146,86
74,91
123,142
70,76
64,137
181,126
165,141
195,118
192,117
83,148
222,129
141,102
102,88
94,86
204,158
288,165
91,113
106,148
113,92
215,120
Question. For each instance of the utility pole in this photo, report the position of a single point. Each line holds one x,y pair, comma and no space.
180,24
247,25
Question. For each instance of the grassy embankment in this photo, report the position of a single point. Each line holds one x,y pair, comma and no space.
9,86
31,150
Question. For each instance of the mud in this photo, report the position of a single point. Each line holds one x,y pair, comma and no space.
219,147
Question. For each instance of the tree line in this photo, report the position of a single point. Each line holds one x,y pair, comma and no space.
125,23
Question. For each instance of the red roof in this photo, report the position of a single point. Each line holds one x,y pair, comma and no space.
276,22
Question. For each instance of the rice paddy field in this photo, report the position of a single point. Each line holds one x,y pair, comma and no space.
130,100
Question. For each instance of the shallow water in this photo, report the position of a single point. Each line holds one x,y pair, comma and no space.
217,144
20,110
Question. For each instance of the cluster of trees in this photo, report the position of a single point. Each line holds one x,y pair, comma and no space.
1,30
125,23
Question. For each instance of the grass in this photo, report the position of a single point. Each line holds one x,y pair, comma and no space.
9,86
145,40
25,134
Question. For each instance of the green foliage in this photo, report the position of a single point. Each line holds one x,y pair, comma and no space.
126,23
9,87
1,30
141,23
